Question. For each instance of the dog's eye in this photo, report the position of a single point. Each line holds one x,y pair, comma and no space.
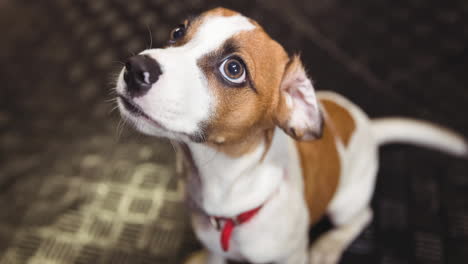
233,70
177,33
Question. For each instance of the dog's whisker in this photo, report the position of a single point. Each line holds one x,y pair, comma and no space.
111,100
112,81
173,147
117,130
120,128
114,102
112,91
119,62
113,109
151,37
116,73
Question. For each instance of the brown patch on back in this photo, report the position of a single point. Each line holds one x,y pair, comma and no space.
243,115
320,160
321,169
343,122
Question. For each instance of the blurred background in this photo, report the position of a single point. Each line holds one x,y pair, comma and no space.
76,186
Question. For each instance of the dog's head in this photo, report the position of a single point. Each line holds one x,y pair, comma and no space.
220,80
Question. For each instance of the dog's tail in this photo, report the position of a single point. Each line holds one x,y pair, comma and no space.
402,130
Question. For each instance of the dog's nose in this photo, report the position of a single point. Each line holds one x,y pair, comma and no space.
141,72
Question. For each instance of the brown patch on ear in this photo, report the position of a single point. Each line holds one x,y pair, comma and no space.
321,167
343,122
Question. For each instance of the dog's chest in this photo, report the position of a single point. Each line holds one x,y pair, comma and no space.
226,186
275,183
260,240
245,192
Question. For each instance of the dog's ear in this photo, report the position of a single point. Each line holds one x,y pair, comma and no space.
298,112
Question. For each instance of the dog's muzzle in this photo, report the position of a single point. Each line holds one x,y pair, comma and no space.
141,72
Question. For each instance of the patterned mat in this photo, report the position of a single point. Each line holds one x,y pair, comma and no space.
77,186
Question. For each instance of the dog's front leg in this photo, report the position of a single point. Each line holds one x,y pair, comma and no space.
330,246
205,257
299,256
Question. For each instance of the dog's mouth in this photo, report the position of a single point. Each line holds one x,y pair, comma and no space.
130,106
136,111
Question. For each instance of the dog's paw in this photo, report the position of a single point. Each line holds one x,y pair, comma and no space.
199,257
326,250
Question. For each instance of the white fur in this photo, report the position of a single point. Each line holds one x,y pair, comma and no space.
388,130
181,99
359,164
329,247
225,179
146,75
230,186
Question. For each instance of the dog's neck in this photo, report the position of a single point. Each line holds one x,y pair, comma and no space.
223,185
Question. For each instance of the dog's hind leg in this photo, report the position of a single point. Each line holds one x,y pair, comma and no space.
330,246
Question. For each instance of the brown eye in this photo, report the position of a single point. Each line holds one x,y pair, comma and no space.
177,33
233,70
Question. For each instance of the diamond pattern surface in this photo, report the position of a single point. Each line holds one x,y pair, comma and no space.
78,186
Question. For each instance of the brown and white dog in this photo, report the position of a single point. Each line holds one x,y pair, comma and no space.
267,155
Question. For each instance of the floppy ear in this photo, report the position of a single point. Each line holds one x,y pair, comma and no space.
298,112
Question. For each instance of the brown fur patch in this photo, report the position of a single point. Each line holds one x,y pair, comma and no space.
320,160
343,122
321,168
243,115
220,11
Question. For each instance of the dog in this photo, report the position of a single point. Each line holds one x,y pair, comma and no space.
265,155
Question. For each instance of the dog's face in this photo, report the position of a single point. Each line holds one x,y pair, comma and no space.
221,79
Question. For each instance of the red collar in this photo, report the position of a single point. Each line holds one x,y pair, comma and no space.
230,224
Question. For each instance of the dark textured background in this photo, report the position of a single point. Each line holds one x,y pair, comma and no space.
77,187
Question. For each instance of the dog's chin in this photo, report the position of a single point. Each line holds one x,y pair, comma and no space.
148,126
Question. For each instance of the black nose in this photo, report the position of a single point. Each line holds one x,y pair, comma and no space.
141,72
